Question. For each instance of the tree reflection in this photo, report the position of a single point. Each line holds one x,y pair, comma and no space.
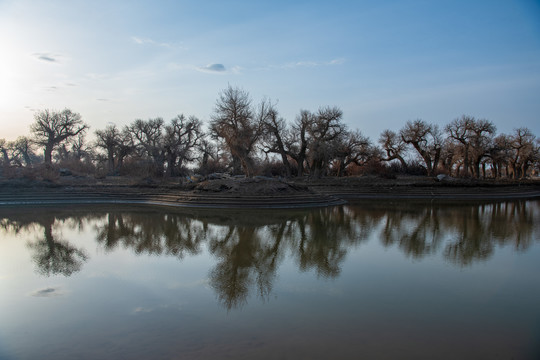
465,232
477,230
242,261
155,233
53,256
323,237
416,231
250,246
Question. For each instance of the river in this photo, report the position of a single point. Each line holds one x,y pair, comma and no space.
371,279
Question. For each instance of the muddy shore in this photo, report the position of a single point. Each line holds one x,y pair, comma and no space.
257,192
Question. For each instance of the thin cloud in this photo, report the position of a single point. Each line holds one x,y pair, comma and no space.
47,57
213,68
312,63
147,41
47,292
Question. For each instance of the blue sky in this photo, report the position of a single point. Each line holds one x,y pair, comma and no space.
381,62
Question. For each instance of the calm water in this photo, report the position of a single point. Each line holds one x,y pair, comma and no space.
374,280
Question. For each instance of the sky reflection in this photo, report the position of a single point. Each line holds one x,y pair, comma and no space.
396,278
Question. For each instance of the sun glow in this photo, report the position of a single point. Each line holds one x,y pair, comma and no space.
11,71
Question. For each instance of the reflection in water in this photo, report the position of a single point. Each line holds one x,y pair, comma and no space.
51,254
249,246
466,233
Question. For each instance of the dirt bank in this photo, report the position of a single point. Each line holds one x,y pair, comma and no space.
255,193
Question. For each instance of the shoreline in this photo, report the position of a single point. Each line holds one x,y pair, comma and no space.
258,194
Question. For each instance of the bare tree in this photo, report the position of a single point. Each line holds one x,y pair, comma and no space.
353,148
459,130
148,140
501,155
182,136
276,134
481,141
297,144
426,140
474,136
126,146
325,128
525,151
4,149
52,128
451,156
394,146
23,149
109,139
239,126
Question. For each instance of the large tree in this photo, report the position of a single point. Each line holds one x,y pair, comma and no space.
51,128
182,136
109,139
426,140
276,137
297,144
525,151
474,136
459,131
324,130
148,141
481,139
394,146
239,126
353,148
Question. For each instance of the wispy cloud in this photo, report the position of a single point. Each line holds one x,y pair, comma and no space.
147,41
47,57
213,68
299,64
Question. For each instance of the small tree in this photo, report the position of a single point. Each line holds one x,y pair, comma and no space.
52,128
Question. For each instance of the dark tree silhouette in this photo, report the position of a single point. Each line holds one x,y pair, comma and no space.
56,257
426,140
109,140
51,128
182,136
394,147
239,125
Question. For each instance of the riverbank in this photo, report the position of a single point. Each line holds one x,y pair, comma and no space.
257,192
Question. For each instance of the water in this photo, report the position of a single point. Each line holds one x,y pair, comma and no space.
381,280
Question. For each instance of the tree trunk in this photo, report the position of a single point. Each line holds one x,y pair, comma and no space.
110,160
47,154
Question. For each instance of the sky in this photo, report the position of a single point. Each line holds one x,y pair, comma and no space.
383,62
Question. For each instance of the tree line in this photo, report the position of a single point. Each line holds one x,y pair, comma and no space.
243,137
